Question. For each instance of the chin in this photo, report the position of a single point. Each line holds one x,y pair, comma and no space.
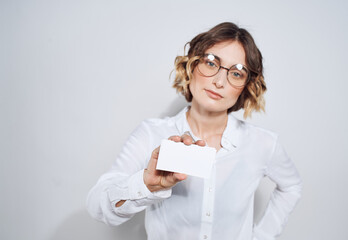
215,107
211,105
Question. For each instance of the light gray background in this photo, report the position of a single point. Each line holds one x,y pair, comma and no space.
76,77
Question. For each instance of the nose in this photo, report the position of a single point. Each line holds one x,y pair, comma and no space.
220,79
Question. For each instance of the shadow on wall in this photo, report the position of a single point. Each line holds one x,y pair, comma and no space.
81,226
174,107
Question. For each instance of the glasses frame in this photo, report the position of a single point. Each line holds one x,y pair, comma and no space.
227,69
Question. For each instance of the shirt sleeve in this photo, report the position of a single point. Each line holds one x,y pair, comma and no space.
124,181
282,171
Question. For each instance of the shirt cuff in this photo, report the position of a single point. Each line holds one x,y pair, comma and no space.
138,189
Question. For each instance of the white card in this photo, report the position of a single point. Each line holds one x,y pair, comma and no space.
192,160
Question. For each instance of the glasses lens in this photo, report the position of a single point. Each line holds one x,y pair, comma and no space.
208,66
238,75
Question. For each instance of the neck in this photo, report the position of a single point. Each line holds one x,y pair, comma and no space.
205,124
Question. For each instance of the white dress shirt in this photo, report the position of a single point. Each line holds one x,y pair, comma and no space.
220,207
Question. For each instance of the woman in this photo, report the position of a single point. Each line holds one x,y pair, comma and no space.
221,73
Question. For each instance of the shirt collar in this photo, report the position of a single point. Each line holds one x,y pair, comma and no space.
230,137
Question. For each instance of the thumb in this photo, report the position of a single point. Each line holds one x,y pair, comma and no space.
153,160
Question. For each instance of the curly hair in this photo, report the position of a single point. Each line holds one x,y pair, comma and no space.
251,98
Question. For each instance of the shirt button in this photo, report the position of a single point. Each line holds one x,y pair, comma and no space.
210,189
205,237
208,214
139,194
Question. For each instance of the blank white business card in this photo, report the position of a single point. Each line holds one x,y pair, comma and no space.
192,160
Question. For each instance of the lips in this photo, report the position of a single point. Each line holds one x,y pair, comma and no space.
212,94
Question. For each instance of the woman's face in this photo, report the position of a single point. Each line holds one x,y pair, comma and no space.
216,94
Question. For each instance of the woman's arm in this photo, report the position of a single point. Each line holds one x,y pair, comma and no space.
281,171
125,182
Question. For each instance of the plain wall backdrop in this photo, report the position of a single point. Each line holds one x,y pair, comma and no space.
76,77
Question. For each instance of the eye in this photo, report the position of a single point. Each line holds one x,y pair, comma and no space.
210,64
235,74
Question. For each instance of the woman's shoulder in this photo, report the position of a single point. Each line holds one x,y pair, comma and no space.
157,122
257,132
255,129
156,125
166,122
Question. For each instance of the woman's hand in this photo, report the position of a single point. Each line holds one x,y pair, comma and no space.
156,180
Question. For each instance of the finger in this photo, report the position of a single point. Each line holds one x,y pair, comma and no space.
187,139
175,138
179,176
172,179
200,143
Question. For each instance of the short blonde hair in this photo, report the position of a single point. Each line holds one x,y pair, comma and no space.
251,98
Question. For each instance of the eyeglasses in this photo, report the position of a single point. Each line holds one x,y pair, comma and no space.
209,65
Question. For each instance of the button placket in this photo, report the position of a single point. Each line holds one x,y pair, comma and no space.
208,206
209,195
